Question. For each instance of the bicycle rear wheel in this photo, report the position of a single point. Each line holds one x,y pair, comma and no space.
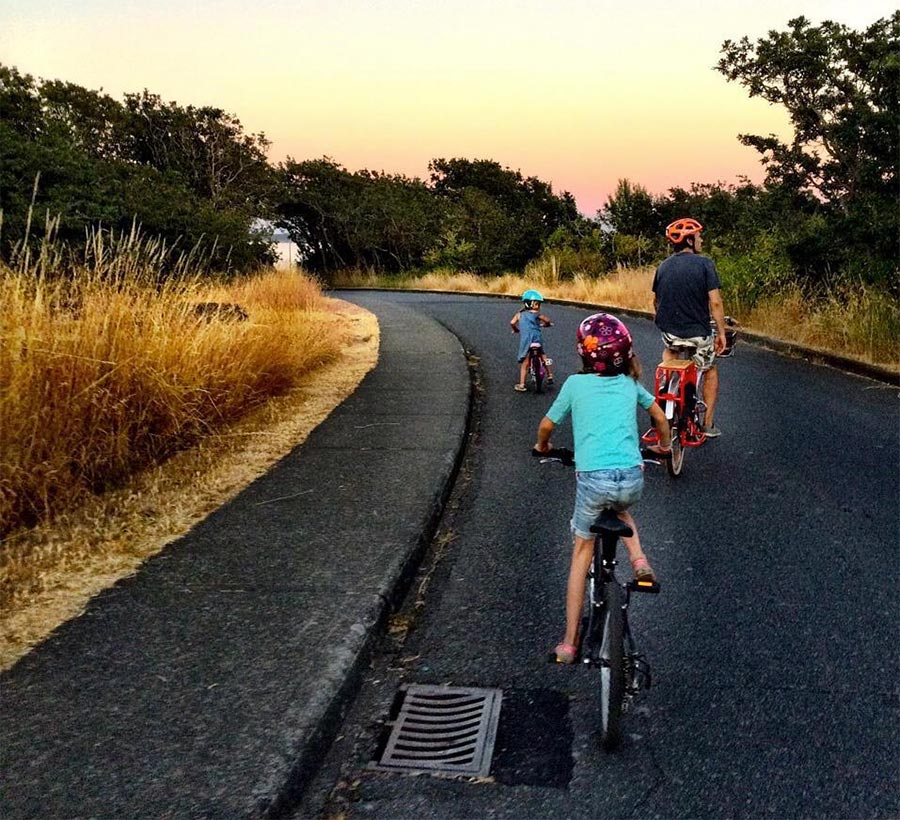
612,668
676,462
537,373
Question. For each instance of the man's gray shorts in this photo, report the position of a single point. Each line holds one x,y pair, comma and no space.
704,348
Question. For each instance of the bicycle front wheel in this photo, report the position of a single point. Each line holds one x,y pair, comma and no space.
612,668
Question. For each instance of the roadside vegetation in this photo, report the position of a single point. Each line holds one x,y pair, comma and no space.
107,368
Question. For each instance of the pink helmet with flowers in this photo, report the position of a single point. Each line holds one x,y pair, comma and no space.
604,345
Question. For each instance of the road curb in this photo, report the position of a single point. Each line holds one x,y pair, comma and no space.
793,349
346,678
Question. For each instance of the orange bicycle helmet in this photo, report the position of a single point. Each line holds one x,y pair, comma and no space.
680,229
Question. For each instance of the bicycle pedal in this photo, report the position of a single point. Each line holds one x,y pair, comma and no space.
551,658
651,587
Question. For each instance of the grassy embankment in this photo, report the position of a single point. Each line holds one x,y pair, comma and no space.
852,321
109,370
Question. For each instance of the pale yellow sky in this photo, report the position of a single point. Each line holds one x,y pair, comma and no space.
577,92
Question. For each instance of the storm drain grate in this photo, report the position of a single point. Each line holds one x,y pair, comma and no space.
443,729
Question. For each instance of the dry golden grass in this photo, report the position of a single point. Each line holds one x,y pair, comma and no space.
626,287
103,375
49,572
854,322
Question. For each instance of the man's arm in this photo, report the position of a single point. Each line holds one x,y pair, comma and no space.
717,311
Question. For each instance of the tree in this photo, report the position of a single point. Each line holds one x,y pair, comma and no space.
632,210
503,215
357,220
190,176
841,89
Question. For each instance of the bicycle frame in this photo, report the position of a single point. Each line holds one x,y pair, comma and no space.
679,385
606,639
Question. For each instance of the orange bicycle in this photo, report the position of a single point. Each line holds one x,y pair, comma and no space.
679,386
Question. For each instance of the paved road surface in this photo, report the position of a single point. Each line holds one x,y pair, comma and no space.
774,642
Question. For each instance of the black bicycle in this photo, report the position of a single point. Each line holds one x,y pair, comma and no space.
606,642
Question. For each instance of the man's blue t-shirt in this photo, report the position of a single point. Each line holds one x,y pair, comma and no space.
682,284
603,419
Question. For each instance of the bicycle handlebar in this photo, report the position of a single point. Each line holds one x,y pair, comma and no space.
561,454
565,456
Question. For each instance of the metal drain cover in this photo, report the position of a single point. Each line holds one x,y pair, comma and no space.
443,729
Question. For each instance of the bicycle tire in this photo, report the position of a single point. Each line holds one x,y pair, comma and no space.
612,668
537,373
676,462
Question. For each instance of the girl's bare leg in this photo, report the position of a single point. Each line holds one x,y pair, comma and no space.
522,371
582,555
633,543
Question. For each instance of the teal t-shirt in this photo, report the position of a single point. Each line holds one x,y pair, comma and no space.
603,419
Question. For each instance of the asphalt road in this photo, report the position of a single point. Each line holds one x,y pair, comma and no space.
773,643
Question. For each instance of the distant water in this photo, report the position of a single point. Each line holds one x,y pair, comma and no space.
287,252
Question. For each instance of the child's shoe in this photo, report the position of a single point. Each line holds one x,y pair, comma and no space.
520,388
642,570
565,653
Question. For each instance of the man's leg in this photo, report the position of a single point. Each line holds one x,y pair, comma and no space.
710,394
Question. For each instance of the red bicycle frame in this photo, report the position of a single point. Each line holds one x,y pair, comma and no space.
678,381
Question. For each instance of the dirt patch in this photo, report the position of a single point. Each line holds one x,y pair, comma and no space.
89,549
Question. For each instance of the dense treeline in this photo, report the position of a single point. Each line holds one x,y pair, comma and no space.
472,215
827,210
84,160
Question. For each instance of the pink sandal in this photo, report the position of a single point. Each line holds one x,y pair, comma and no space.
642,569
565,653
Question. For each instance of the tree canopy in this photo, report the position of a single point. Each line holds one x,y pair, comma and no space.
189,175
841,89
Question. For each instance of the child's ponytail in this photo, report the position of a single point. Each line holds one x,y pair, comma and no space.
634,367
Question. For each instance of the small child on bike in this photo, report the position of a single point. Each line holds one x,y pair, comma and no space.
529,321
601,400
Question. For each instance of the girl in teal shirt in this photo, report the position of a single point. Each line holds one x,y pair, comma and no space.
609,468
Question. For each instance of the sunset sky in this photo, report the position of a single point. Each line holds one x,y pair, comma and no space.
579,93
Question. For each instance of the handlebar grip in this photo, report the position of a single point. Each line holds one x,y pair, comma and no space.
654,456
562,454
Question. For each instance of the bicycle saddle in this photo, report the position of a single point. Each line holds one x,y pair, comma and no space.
609,522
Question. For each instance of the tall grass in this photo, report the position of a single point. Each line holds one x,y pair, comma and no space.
850,320
106,367
625,287
847,319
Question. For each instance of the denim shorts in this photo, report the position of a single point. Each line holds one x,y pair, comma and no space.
598,490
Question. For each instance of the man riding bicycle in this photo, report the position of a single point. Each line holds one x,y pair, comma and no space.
686,293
